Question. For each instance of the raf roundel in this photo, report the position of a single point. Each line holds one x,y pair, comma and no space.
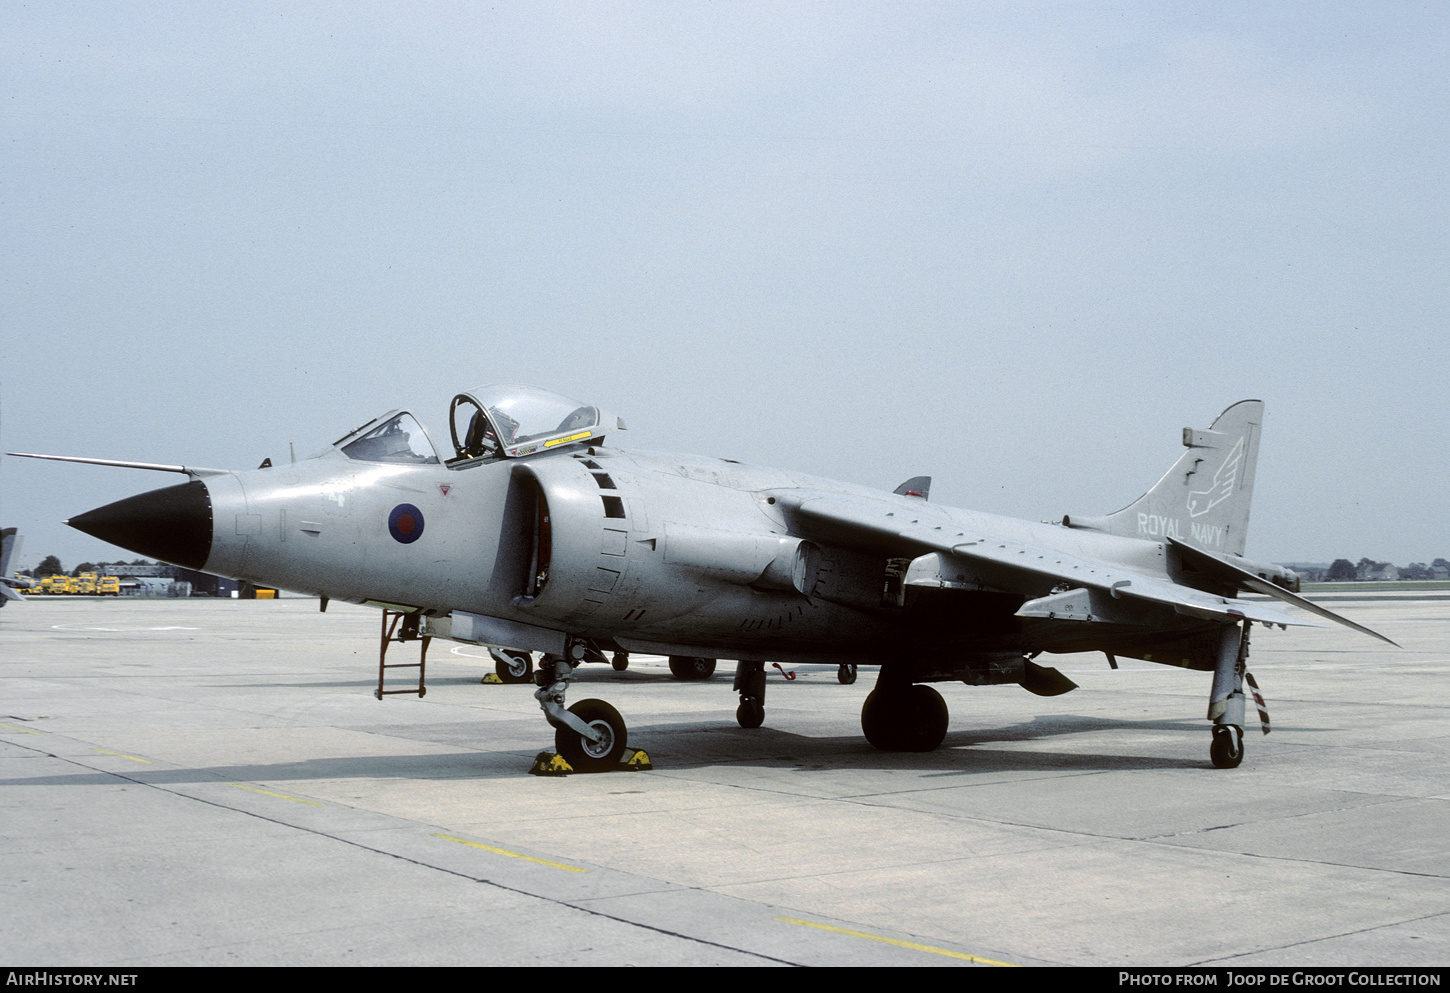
405,523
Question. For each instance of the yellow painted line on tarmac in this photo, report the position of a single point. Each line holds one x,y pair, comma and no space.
279,796
12,727
898,943
512,855
123,755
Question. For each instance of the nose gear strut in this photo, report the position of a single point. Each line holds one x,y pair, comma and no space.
590,735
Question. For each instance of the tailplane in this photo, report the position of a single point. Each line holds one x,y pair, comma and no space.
1203,501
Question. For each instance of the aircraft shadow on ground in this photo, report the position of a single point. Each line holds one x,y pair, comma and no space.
460,765
398,682
967,752
700,744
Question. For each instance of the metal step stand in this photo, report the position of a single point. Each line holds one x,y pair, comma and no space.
401,625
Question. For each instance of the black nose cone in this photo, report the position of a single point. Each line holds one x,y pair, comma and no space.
173,525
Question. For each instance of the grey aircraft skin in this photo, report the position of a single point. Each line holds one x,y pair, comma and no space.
9,585
537,537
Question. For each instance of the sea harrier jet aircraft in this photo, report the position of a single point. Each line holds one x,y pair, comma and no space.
532,535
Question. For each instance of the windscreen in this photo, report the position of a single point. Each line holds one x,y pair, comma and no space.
399,440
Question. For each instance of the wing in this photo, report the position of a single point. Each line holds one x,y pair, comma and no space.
1059,585
1225,570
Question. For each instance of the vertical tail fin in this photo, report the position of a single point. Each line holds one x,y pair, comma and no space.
1204,499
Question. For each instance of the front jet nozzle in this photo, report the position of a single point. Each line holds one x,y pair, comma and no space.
172,524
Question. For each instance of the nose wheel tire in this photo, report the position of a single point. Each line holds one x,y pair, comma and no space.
593,756
1227,749
846,674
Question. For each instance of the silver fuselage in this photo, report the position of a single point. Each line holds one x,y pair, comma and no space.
675,554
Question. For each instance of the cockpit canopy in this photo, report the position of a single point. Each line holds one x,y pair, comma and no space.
489,422
513,421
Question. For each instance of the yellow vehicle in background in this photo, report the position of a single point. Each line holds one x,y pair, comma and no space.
86,584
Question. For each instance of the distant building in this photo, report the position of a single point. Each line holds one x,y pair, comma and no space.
160,579
152,586
1376,571
1310,572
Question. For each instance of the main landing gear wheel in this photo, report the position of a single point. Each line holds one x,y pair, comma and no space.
905,719
513,666
846,674
593,756
688,667
1227,750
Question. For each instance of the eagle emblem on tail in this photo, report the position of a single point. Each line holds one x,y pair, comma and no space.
1202,501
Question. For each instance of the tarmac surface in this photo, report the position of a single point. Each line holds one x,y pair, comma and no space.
204,782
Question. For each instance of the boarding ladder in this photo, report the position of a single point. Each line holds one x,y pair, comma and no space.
401,625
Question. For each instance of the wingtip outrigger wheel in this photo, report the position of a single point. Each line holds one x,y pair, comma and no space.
1227,749
1226,699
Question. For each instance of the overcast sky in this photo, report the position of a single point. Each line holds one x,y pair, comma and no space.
1017,247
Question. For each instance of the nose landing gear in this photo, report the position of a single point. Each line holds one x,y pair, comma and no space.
590,736
601,753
